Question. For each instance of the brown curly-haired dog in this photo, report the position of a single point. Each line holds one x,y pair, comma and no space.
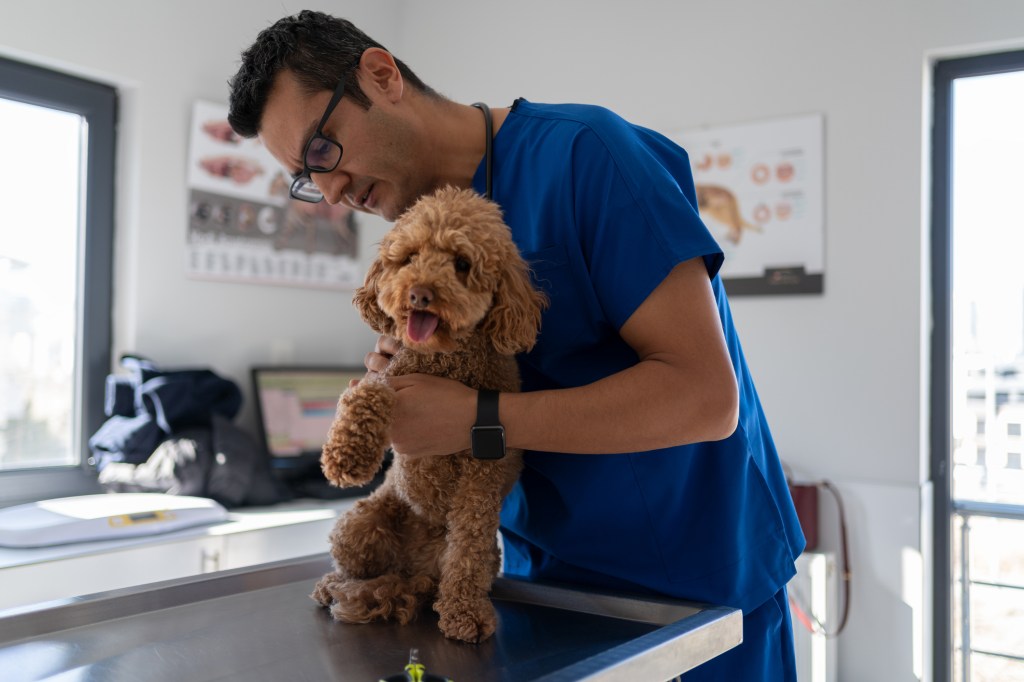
450,284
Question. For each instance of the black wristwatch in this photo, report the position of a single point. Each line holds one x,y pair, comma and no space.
488,435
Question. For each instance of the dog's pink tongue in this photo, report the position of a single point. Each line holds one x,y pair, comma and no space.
421,326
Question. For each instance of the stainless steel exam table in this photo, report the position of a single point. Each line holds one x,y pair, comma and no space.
260,624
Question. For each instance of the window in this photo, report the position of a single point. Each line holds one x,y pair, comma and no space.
56,246
977,401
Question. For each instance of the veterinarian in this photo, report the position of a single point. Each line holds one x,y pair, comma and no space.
649,462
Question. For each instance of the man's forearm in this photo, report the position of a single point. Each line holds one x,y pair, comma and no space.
646,407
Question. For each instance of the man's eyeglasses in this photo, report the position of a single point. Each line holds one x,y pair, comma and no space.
321,155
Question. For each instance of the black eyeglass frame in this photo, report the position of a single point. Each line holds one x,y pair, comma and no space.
306,175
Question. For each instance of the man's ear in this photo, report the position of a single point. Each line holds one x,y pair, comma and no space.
379,75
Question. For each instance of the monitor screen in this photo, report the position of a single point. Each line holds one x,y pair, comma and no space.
295,407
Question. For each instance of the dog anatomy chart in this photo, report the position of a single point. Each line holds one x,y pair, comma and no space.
760,190
244,227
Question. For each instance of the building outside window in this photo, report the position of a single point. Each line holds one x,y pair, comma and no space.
978,367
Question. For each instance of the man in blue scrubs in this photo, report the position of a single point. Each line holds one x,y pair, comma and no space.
649,464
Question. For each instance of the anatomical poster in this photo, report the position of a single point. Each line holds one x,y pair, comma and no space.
244,227
760,190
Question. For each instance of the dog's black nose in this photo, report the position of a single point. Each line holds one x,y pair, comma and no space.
420,297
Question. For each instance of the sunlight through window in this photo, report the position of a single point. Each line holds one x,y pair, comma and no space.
40,199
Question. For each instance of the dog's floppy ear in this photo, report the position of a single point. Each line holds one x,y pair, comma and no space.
514,318
365,301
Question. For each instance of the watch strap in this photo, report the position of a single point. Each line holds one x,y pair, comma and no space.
487,434
487,408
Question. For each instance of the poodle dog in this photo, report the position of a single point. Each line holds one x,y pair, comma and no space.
449,283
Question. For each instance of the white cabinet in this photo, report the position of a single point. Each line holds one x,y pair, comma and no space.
814,596
249,537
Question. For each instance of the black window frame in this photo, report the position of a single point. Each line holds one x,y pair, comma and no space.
944,73
97,103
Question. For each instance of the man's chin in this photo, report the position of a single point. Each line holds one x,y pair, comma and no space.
385,211
392,210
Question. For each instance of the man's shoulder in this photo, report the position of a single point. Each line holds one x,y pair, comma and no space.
579,126
593,129
589,115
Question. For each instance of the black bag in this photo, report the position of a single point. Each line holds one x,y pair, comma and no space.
147,405
171,432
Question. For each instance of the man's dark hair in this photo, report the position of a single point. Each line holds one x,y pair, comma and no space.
318,48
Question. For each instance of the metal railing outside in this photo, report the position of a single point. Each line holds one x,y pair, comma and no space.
967,510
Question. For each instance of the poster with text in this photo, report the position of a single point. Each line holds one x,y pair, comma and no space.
244,227
760,190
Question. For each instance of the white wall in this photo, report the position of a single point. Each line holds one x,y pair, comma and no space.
162,57
841,375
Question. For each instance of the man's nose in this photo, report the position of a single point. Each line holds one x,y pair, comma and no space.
331,185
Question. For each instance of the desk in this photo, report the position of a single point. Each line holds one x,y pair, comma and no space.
260,624
249,537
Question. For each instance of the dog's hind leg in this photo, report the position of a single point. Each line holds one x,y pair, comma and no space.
371,538
358,436
323,593
380,537
386,597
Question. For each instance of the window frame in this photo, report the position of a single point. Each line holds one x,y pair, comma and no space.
944,73
97,104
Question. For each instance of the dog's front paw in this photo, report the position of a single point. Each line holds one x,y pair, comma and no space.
344,467
471,622
357,440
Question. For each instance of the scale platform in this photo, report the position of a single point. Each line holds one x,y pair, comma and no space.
260,624
85,518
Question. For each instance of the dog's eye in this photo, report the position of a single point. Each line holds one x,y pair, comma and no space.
462,264
409,257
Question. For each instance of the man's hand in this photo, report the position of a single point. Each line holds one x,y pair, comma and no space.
377,359
433,416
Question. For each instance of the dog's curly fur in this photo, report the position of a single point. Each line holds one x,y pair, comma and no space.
431,528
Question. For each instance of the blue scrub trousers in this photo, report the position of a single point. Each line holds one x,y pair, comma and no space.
766,654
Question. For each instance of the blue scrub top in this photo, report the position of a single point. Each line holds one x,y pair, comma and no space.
603,210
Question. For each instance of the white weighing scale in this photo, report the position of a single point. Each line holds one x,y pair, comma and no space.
103,517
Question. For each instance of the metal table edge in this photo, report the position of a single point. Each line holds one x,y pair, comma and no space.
44,618
662,654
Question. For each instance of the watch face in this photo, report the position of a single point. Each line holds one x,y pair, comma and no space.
488,442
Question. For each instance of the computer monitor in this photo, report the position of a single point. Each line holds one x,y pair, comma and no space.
295,407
